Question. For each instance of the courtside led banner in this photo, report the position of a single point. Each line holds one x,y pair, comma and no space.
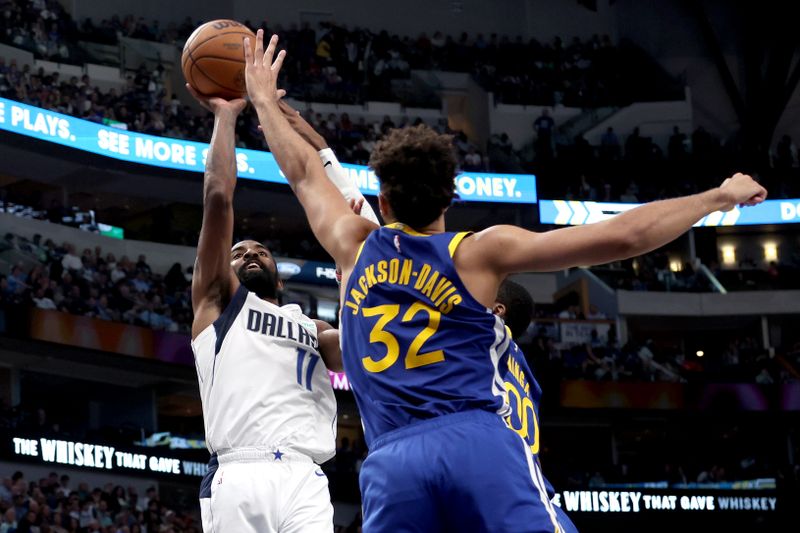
615,501
188,155
576,213
104,457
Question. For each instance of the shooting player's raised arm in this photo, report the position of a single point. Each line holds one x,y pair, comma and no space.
213,281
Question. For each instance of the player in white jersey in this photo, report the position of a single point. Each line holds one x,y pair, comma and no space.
268,407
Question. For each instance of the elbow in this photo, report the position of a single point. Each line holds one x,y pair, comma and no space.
628,242
218,196
301,169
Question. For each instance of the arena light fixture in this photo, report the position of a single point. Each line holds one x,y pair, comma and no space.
729,254
770,251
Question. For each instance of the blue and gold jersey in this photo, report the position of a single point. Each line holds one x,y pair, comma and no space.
524,396
415,343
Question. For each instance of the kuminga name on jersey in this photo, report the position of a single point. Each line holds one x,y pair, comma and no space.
415,343
524,397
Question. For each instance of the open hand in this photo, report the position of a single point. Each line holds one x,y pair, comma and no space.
261,72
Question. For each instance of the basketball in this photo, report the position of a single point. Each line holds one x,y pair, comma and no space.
213,58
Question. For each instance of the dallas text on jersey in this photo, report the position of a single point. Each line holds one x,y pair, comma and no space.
439,290
275,326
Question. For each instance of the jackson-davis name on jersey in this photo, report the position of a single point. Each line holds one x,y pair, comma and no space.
431,284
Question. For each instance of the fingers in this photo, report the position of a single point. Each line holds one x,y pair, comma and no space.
270,53
287,109
197,96
258,53
281,93
194,93
356,204
276,66
202,100
248,52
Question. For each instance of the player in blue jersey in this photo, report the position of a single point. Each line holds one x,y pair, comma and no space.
515,306
420,344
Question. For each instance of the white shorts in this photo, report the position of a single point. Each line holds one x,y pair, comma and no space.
261,491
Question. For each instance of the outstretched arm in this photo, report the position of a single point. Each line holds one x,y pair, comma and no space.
509,249
338,230
213,282
333,169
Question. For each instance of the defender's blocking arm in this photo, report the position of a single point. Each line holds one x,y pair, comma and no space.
334,170
338,230
509,249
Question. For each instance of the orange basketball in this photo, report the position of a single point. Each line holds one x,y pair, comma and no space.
213,58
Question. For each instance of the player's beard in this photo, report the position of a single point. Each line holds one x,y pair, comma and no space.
264,282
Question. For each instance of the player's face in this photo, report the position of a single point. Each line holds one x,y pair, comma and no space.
256,269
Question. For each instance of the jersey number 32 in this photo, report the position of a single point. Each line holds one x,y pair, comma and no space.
414,357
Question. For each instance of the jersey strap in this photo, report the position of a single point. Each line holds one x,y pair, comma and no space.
455,241
223,324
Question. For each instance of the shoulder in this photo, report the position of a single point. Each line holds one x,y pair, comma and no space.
322,325
295,312
351,232
492,239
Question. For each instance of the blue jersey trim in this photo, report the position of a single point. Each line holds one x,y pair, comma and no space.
205,485
223,324
301,356
310,370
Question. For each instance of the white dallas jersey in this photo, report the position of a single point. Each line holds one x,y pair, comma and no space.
262,382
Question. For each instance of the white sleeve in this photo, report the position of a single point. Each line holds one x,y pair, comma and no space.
341,179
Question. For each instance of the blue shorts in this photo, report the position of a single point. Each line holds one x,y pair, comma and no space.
564,521
463,472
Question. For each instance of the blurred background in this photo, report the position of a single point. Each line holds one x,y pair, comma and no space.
671,381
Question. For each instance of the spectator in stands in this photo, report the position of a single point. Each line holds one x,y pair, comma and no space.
544,126
70,261
9,523
473,162
46,506
44,299
676,149
596,480
609,145
17,280
595,313
764,377
785,154
630,194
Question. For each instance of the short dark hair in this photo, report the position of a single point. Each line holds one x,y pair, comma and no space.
519,306
417,170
